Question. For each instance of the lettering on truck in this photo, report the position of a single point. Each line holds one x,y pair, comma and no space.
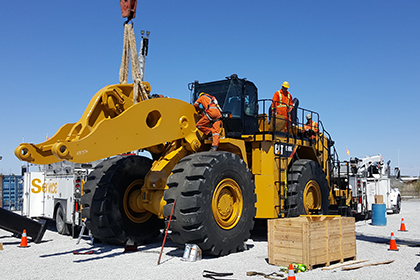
45,187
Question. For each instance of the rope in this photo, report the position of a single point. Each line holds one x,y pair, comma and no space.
130,43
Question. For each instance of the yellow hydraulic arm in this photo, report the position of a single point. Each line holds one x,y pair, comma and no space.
112,124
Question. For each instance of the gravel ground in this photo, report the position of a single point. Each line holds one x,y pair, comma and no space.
54,258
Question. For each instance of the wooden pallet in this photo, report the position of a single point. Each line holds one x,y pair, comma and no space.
311,240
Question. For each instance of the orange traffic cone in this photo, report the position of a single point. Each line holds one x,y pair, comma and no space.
402,228
393,243
24,241
291,274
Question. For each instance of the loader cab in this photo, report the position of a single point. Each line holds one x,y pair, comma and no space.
238,100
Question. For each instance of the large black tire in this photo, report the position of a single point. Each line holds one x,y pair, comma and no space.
308,190
215,202
106,207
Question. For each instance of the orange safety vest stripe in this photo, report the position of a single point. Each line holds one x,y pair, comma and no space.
313,126
281,104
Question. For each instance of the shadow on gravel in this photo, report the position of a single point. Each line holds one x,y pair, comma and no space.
383,240
102,250
1,237
11,243
417,268
96,250
371,238
18,240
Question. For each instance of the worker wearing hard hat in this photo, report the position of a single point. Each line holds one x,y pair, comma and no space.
282,101
282,105
211,117
311,128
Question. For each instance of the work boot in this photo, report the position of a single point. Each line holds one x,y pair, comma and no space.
213,148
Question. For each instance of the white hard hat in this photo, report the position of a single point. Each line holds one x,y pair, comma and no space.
308,116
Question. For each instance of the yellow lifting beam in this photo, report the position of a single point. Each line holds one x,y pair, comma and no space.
112,125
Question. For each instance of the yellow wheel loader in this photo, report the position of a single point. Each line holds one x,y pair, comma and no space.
265,166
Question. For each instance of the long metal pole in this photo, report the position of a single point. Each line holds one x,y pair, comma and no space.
166,233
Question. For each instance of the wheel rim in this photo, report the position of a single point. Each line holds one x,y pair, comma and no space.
131,208
312,197
227,204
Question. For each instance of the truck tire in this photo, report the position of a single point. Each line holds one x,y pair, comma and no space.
365,215
60,221
307,191
397,209
215,202
105,202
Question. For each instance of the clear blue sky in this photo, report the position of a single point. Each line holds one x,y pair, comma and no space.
355,62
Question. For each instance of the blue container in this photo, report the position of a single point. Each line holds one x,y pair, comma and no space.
379,214
11,192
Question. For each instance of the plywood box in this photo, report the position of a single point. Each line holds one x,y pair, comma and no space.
311,240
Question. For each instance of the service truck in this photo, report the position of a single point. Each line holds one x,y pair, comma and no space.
54,192
369,180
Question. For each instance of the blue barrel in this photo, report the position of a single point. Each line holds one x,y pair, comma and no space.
379,214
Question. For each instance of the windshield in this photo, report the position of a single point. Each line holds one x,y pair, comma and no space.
227,93
232,103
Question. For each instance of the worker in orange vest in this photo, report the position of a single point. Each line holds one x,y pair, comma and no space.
211,117
311,128
282,105
282,101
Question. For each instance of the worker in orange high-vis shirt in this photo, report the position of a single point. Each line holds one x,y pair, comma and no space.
311,128
210,122
282,101
282,105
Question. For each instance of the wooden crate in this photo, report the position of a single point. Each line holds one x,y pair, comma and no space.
311,240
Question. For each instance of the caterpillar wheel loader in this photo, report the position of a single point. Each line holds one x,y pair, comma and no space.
265,167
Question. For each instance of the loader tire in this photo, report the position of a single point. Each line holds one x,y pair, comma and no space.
215,202
307,189
107,214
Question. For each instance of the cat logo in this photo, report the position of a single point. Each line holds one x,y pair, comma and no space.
284,149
